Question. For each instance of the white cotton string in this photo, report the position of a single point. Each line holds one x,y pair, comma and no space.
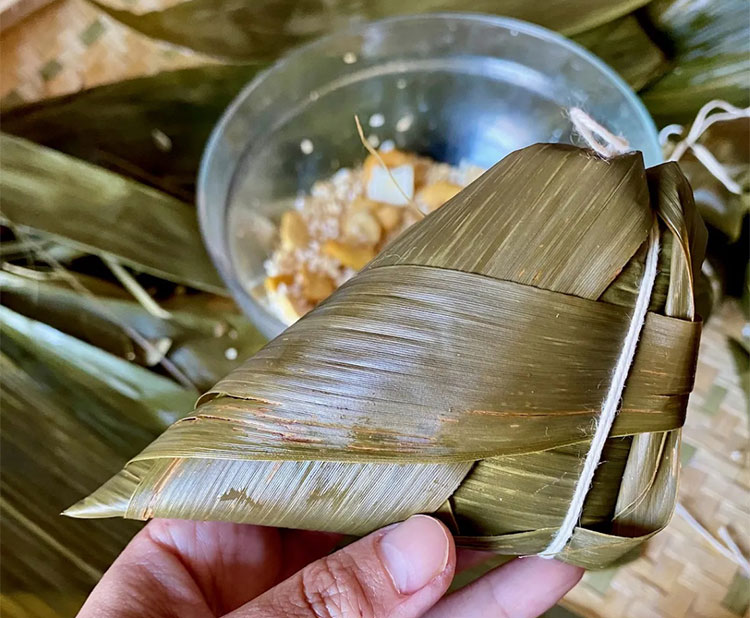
669,131
612,401
617,385
717,170
599,138
704,119
711,113
739,557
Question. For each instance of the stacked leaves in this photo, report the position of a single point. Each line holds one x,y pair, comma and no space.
710,43
88,373
70,411
151,129
247,30
462,372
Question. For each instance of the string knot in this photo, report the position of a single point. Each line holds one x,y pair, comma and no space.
598,138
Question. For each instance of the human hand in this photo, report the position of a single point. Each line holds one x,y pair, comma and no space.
187,569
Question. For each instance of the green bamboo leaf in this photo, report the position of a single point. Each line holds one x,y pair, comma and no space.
466,363
89,208
71,415
205,360
25,249
711,43
625,46
259,31
152,128
97,320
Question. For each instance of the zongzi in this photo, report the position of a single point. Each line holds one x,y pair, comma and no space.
464,372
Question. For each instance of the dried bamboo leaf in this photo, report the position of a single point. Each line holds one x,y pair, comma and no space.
673,201
711,43
89,208
649,485
729,142
528,490
569,222
471,422
402,490
142,396
245,30
152,129
473,356
90,410
201,329
639,477
625,46
654,507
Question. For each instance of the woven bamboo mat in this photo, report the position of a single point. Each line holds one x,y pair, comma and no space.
68,45
679,574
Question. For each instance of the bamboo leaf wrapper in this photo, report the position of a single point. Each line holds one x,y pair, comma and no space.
462,372
245,30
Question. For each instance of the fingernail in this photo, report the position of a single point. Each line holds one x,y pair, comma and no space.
415,552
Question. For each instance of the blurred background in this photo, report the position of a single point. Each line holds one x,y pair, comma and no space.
113,318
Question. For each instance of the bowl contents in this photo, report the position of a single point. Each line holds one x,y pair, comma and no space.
348,218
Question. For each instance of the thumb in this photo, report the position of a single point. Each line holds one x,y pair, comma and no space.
397,572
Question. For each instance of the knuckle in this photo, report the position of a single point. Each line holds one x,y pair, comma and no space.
333,588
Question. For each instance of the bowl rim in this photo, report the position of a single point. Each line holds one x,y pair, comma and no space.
259,315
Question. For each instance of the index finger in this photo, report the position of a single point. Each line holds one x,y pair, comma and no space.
523,588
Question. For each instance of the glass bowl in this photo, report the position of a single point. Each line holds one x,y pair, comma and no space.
460,88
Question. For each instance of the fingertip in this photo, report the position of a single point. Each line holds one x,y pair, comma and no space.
522,588
416,552
558,571
575,573
531,585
